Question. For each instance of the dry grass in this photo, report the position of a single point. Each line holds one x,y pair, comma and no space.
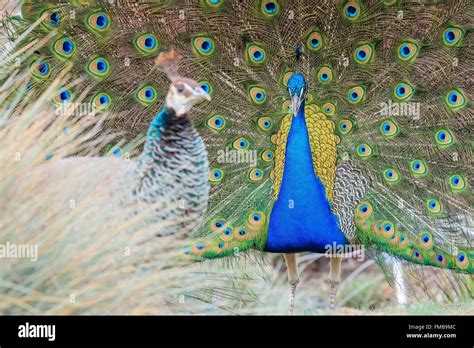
97,253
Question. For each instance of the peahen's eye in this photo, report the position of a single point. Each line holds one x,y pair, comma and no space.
180,87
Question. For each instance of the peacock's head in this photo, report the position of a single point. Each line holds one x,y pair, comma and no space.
297,89
183,92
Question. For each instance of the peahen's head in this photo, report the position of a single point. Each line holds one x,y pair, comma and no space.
297,89
183,92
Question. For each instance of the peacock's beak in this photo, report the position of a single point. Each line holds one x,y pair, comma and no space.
295,104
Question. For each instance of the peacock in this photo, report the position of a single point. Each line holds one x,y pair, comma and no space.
332,124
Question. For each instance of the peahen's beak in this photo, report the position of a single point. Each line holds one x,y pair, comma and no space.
201,93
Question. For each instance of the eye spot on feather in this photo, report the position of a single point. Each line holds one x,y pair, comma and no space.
455,99
203,46
356,95
206,86
407,51
227,234
256,220
216,123
462,261
269,8
387,229
255,175
99,22
441,259
241,233
256,54
199,248
425,240
214,3
216,175
325,75
352,10
267,155
364,151
258,95
217,225
185,253
241,144
403,91
52,21
345,126
265,123
314,41
418,168
99,67
101,101
417,255
433,206
146,95
146,44
64,48
457,183
389,129
40,69
391,176
444,138
63,96
452,36
363,54
363,212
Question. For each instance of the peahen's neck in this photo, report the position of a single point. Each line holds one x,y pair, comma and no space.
174,164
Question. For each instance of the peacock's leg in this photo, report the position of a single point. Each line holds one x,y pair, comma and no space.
293,279
334,278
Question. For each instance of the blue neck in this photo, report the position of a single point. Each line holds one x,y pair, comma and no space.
301,219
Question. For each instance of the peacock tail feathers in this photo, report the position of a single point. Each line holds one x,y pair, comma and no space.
389,107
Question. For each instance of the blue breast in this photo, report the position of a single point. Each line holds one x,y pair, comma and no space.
301,219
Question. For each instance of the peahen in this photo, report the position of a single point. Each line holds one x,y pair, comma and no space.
332,123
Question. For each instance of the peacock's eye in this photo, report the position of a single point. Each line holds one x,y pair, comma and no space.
180,88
